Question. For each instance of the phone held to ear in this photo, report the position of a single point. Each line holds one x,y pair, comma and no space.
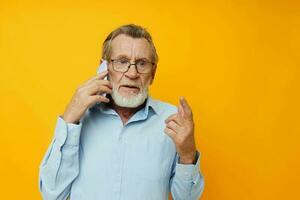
103,67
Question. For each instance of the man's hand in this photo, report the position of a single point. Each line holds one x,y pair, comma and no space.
180,127
86,95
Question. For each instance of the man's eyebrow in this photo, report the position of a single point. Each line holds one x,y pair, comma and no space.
142,58
127,57
123,56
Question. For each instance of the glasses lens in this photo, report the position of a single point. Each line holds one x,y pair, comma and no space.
143,66
120,65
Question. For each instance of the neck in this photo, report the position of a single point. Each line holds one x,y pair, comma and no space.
126,113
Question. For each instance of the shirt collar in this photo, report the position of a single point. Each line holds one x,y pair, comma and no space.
151,104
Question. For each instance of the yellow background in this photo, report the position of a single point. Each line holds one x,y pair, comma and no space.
237,63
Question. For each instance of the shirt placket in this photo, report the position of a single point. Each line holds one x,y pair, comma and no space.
118,166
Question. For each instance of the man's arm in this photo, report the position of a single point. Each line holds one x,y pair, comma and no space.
186,183
60,165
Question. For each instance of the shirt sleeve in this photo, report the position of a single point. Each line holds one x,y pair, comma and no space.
60,165
187,183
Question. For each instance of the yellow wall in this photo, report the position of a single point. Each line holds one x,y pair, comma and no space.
237,62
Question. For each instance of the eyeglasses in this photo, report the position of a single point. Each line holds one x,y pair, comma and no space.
143,66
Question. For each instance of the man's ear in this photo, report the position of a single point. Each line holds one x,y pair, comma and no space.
153,74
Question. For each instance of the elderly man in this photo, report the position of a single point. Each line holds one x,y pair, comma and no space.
114,142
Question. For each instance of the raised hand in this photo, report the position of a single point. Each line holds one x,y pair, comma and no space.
180,127
85,96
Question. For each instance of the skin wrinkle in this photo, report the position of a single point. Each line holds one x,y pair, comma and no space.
132,48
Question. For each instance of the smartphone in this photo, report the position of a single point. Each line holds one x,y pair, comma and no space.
101,68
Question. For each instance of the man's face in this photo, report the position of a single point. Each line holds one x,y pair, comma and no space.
131,85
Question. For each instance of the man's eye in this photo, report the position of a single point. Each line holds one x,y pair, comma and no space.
123,61
142,62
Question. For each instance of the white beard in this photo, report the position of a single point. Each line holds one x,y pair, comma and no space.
131,102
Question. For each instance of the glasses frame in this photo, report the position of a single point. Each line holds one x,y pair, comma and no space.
129,64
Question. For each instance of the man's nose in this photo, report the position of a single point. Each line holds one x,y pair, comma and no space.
132,72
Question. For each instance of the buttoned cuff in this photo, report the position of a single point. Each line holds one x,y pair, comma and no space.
67,133
188,172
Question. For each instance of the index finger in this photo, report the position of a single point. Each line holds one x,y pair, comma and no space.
186,108
99,76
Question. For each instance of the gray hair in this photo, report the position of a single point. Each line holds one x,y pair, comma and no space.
133,31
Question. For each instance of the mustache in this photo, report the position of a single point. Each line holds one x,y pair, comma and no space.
128,84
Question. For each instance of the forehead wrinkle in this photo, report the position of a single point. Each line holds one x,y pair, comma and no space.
135,54
142,54
130,48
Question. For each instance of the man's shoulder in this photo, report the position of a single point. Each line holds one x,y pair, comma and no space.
164,107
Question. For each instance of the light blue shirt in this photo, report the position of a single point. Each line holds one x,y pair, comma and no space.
102,159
